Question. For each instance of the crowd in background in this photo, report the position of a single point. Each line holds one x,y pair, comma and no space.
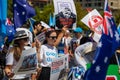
57,42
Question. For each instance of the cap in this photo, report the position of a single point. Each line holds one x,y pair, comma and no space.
78,30
21,34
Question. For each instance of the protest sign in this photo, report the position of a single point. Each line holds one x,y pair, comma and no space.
27,63
41,37
65,13
44,24
95,22
58,68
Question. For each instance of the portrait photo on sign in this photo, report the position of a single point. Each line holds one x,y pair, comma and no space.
65,17
65,14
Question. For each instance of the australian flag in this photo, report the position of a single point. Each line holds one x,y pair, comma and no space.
106,48
22,11
10,31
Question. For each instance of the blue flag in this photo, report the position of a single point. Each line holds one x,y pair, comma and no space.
54,21
107,45
31,20
3,15
51,20
118,28
22,11
10,30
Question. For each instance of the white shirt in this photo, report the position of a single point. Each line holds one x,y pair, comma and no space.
47,53
66,40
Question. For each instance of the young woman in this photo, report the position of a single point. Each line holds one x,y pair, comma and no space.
21,39
47,52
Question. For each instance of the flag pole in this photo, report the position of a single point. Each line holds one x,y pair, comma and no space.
117,62
31,27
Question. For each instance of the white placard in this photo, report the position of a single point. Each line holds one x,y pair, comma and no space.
94,21
65,13
41,37
27,63
58,68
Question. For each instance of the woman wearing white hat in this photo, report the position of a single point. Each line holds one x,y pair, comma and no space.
21,39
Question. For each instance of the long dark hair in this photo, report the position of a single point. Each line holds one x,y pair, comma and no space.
17,51
47,34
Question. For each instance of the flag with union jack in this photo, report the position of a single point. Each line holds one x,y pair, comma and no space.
107,45
10,30
107,16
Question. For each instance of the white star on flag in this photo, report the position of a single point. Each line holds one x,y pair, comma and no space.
15,5
17,13
93,61
99,44
23,13
97,69
117,36
105,59
24,5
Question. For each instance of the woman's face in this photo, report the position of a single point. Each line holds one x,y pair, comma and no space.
52,38
23,41
78,35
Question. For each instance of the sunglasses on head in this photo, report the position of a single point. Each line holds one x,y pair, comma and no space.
52,37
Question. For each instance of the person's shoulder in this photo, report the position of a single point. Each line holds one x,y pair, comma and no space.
73,39
27,47
44,46
11,49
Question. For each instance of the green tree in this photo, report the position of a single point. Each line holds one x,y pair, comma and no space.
10,9
80,14
117,17
44,14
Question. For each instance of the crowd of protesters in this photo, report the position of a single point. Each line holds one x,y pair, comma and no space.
56,43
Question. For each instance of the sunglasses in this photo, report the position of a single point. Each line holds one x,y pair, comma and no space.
52,37
25,39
